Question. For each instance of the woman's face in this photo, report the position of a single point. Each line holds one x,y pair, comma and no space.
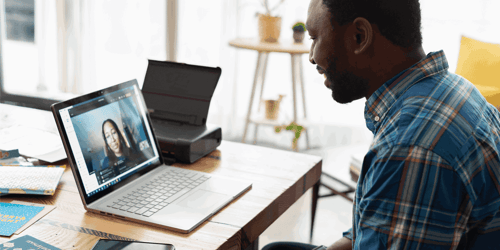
112,138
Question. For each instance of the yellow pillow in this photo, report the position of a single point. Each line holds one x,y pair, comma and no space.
479,62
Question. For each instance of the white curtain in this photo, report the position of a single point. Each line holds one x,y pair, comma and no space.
70,44
118,37
86,45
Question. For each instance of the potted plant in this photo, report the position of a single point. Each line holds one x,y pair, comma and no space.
299,30
269,24
296,129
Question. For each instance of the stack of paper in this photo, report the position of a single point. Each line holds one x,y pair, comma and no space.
12,157
30,179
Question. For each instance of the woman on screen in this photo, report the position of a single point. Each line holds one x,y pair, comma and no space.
116,149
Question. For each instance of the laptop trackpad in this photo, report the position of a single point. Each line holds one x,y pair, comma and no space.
202,199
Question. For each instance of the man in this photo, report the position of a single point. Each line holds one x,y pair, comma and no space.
430,179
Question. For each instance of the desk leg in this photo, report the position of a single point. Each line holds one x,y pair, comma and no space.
254,245
315,195
255,80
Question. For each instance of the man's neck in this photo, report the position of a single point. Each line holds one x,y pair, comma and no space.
391,63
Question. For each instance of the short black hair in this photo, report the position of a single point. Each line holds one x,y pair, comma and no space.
398,20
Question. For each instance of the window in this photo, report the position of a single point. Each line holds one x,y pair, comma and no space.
20,20
19,53
53,50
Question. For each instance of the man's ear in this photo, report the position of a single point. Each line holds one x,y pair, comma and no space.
363,35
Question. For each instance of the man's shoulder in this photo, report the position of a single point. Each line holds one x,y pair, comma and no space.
442,113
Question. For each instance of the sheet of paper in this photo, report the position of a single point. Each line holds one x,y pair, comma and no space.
46,210
14,216
33,142
32,131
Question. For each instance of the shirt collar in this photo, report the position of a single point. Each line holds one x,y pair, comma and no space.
379,103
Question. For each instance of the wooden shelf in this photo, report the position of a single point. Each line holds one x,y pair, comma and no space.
280,46
267,122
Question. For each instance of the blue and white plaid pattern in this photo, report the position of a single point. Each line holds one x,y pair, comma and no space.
431,177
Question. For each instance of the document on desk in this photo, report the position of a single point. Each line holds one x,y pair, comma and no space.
46,209
26,242
41,180
33,142
14,216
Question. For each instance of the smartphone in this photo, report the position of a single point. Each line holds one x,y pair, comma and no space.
105,244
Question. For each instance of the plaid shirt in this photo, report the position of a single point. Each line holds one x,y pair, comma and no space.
431,177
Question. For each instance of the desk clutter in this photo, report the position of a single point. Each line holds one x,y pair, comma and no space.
38,139
26,242
16,216
41,180
18,176
24,178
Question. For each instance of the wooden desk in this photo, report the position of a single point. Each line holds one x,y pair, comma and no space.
279,178
295,50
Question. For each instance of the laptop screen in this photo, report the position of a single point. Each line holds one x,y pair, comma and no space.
110,137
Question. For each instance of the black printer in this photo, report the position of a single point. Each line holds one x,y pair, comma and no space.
178,98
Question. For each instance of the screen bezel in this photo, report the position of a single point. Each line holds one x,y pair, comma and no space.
72,162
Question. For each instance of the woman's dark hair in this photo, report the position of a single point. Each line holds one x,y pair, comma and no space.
111,155
398,20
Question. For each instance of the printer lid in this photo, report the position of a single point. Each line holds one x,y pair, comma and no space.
179,92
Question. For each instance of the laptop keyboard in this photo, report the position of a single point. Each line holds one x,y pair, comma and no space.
161,191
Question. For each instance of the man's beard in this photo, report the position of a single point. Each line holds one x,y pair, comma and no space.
346,87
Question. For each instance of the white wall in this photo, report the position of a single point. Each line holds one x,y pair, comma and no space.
207,27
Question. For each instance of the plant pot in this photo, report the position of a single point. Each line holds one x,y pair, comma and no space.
269,28
272,109
298,36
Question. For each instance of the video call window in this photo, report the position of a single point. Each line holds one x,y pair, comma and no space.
113,139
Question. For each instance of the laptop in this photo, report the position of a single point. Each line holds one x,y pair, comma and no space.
118,168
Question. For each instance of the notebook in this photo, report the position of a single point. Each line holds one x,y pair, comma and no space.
42,180
118,168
